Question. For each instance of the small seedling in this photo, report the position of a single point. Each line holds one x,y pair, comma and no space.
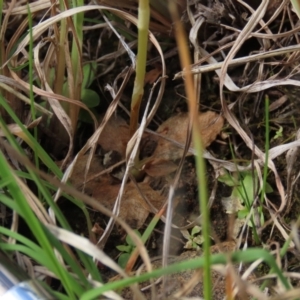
278,133
244,191
126,250
194,239
89,97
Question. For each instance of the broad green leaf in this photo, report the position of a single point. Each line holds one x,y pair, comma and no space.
268,188
185,234
124,248
246,188
198,240
89,72
196,230
242,214
90,98
236,194
188,245
123,259
129,241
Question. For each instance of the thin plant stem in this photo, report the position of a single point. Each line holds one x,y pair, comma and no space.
31,96
61,60
150,228
286,245
200,164
138,89
76,57
267,147
1,8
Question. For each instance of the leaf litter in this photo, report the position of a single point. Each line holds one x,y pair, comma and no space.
175,129
134,208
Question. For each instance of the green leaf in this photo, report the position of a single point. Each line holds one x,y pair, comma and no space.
65,90
262,217
236,194
129,241
194,245
123,259
242,214
51,76
268,188
278,133
185,234
90,98
228,179
246,188
296,7
188,245
89,72
124,248
198,240
196,230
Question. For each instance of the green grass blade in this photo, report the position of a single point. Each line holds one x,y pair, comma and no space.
44,186
76,57
20,238
39,257
247,256
45,158
69,260
19,198
31,96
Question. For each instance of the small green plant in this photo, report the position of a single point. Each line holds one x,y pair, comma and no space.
126,250
245,189
194,239
278,133
89,97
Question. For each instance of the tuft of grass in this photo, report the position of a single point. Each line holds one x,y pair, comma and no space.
15,200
